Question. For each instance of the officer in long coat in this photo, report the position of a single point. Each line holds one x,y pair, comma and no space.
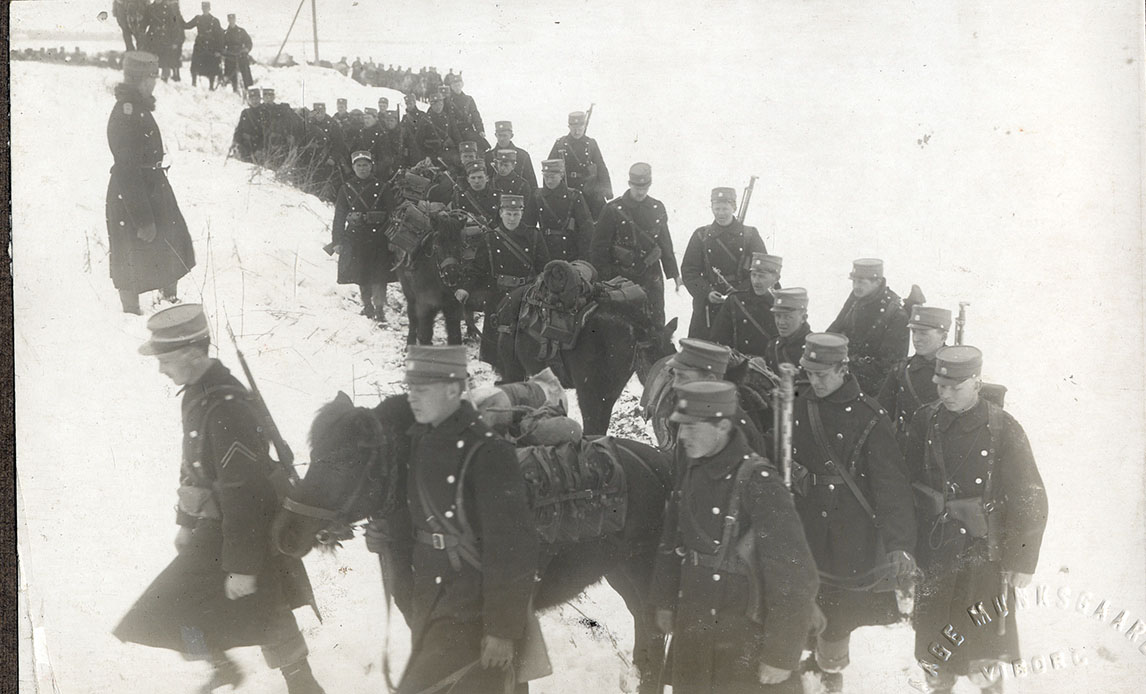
631,239
585,168
364,255
745,321
147,236
875,323
476,551
717,260
165,36
909,385
734,580
227,588
208,48
511,256
237,46
562,215
854,498
790,313
503,130
983,510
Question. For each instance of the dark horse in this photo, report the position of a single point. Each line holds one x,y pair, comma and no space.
358,469
131,16
616,341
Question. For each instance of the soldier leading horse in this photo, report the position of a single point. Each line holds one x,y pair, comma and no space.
359,467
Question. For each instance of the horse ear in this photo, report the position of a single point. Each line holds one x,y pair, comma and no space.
344,399
670,328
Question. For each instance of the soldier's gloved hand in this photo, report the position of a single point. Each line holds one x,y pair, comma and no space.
461,295
496,652
147,233
903,564
183,538
715,297
772,675
663,621
1016,579
239,586
337,248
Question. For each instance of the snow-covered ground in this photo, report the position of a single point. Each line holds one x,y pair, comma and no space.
988,153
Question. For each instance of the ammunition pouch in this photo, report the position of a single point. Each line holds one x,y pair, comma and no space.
928,500
801,479
375,219
971,514
198,502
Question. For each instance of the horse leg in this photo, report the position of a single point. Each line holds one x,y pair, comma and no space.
631,580
411,320
452,313
426,314
596,401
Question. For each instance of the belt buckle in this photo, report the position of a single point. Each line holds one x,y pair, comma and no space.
438,540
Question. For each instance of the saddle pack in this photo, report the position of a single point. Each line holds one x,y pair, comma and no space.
577,491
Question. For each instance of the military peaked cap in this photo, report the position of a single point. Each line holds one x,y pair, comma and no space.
704,401
640,174
763,262
513,202
176,327
701,355
578,118
553,166
361,154
822,351
956,364
506,155
502,126
790,299
724,194
929,317
435,364
867,269
474,165
468,146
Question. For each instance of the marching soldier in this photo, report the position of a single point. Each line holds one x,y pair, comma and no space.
909,386
471,590
165,36
983,510
512,257
790,311
716,261
506,180
476,196
236,54
465,111
734,580
875,324
364,255
563,216
387,150
503,130
147,235
631,239
745,321
585,168
854,498
227,587
436,135
341,114
410,123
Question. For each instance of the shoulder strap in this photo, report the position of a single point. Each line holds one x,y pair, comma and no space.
995,431
731,529
514,248
467,548
836,463
743,309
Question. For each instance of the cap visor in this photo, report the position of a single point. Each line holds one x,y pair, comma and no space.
784,309
426,379
948,381
814,365
681,418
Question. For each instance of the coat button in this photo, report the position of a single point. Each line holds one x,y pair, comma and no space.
823,514
831,487
962,531
449,514
848,408
716,577
193,434
716,510
437,579
840,437
461,443
763,473
451,479
983,453
978,480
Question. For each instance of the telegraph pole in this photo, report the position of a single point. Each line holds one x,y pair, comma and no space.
314,23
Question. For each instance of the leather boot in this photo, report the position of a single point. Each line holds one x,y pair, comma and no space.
299,678
224,672
130,302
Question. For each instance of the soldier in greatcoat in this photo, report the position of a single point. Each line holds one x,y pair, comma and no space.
248,138
147,235
717,260
982,511
506,180
165,36
790,313
208,47
237,46
745,321
476,549
503,130
388,148
854,498
631,239
875,323
562,215
909,385
436,136
511,256
323,154
464,111
227,587
585,168
475,195
364,255
734,579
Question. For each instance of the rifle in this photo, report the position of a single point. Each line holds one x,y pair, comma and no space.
743,212
961,321
784,397
589,116
285,462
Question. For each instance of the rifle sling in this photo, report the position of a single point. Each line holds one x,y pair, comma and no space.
841,467
755,323
466,547
514,248
549,210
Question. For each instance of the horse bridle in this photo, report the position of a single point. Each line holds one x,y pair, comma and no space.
337,526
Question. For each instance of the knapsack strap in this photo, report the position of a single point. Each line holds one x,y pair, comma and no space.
835,462
456,539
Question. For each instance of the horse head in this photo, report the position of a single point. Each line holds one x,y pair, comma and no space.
655,345
352,475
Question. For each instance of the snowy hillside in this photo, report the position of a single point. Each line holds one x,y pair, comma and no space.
986,157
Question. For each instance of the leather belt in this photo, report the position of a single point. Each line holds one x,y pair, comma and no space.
824,480
510,281
709,561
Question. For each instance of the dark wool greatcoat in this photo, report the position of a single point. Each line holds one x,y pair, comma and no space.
839,531
786,350
719,641
620,225
876,328
734,326
226,497
907,388
139,194
483,204
436,136
165,34
366,257
585,169
713,248
454,606
208,47
464,111
496,264
564,220
957,570
523,166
